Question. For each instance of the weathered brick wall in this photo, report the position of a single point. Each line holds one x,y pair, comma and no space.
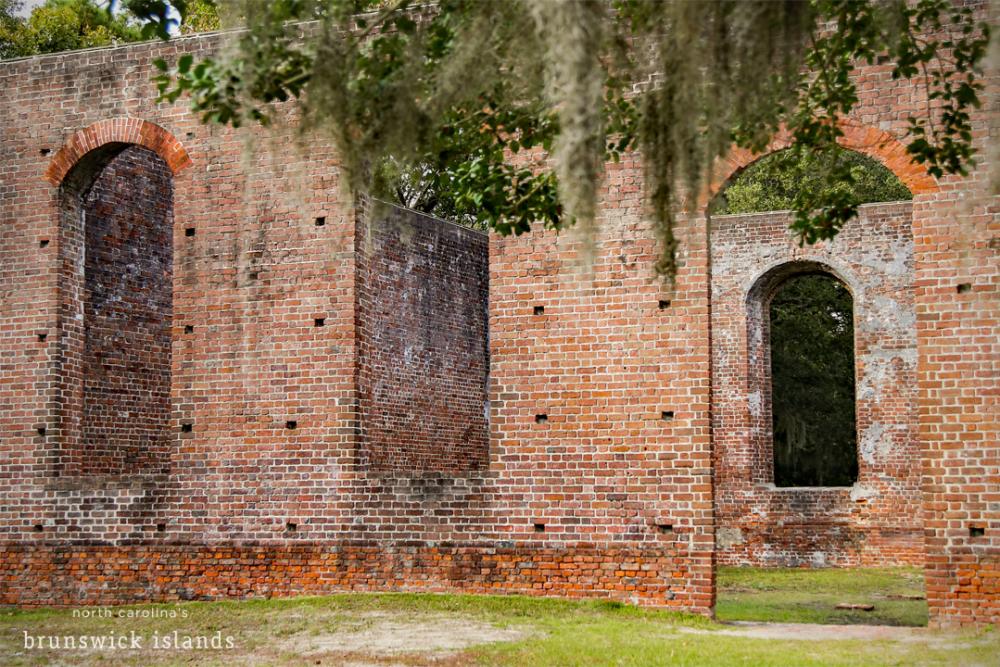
422,290
128,303
957,249
877,521
600,458
600,389
253,271
71,575
954,226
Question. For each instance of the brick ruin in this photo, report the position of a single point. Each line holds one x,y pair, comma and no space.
221,377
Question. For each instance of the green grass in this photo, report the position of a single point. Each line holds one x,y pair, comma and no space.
552,632
809,595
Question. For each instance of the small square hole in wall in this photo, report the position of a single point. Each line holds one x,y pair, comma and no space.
189,231
964,287
45,151
321,221
253,275
319,321
41,430
291,527
39,527
161,527
43,243
541,419
291,424
977,531
539,527
663,304
665,528
42,337
188,328
667,415
187,427
539,310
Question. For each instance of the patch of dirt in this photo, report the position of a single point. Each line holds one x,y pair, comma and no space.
384,636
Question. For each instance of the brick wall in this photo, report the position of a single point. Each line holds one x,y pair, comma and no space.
64,575
599,391
128,302
253,270
877,521
598,479
422,290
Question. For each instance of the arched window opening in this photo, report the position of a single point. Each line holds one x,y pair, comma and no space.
811,337
117,300
772,182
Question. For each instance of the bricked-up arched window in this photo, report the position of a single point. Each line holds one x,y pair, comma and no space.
811,339
116,312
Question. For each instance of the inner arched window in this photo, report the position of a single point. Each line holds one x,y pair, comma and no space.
811,338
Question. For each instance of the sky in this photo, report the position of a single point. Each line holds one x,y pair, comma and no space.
31,4
28,6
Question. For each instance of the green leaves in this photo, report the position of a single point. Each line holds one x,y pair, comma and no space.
61,25
505,112
777,181
158,19
950,68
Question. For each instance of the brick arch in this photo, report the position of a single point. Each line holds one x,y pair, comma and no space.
871,141
764,282
117,131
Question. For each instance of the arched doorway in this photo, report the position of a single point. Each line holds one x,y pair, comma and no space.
816,456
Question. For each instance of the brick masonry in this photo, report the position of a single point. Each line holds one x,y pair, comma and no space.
422,293
612,465
127,308
877,521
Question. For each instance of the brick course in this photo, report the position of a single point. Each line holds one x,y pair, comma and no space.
614,414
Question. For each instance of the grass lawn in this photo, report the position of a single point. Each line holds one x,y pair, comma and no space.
459,630
794,595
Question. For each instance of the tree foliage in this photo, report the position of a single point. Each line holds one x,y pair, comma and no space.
200,16
773,183
812,382
453,101
63,25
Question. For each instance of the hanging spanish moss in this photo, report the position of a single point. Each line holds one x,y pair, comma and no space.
504,113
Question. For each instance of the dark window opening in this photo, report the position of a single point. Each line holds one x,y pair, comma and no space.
812,382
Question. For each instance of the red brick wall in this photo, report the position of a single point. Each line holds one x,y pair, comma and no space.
422,290
128,302
877,521
65,575
610,495
249,282
957,249
600,389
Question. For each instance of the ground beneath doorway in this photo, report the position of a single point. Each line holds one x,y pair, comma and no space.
798,595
